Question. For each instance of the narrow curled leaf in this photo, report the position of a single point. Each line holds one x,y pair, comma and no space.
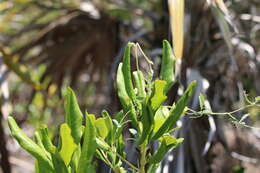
88,148
167,65
140,84
121,89
30,146
126,68
175,112
39,142
73,115
46,141
68,145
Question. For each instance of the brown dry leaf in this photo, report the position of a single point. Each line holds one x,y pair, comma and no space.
176,9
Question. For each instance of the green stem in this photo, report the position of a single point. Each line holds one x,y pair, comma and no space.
143,158
127,162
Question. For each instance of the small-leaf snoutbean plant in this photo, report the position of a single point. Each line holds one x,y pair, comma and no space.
142,100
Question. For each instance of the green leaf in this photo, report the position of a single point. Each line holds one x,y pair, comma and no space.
124,98
160,116
102,144
140,84
158,96
58,161
176,112
257,99
172,142
153,168
39,142
30,146
46,141
88,148
67,144
159,154
168,143
121,89
147,122
126,68
167,66
202,101
103,126
73,115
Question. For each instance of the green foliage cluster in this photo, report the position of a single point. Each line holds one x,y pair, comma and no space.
102,138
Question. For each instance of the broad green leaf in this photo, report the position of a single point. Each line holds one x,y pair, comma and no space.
30,146
158,96
172,142
103,126
159,118
175,112
162,113
88,148
167,65
68,145
73,115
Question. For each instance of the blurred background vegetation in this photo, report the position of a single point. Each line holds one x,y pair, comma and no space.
48,45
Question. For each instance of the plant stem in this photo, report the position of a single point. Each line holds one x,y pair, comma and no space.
127,162
5,164
143,158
